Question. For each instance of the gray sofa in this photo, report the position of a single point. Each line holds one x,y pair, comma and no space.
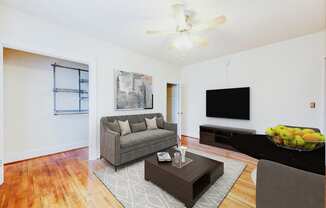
119,150
286,187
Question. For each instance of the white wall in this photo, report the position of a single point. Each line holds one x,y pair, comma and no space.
31,128
123,60
33,33
284,78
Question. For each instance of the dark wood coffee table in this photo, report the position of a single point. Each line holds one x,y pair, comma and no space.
187,184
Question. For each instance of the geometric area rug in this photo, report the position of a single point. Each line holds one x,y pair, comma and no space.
133,191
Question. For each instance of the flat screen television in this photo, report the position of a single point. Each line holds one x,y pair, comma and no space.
228,103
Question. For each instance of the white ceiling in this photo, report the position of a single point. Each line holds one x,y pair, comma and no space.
250,23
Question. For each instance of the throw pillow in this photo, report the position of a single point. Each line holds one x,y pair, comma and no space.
124,127
137,127
114,126
151,123
160,122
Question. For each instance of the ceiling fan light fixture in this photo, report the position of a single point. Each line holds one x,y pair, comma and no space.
183,42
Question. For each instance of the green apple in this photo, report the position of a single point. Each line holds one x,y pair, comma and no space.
270,132
281,127
286,134
297,131
308,131
278,129
321,137
299,140
292,142
286,142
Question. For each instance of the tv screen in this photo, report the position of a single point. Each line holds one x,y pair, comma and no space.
228,103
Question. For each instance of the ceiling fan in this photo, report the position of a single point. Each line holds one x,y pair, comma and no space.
186,26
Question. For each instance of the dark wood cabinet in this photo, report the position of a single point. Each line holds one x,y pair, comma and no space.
220,136
260,147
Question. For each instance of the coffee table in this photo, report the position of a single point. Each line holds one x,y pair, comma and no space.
187,184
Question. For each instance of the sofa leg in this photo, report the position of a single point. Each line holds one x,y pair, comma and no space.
115,168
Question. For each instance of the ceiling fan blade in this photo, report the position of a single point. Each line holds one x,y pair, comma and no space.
180,15
211,24
158,32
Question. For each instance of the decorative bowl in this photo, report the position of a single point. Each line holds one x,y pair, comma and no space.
307,147
294,138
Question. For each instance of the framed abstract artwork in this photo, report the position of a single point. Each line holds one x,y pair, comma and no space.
133,91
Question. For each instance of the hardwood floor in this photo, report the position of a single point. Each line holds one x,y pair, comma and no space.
66,180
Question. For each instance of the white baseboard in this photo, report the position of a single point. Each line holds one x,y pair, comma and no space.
17,156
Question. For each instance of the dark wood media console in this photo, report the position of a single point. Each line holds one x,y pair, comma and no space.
220,136
260,147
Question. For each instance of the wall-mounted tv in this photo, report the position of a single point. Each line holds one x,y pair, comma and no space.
228,103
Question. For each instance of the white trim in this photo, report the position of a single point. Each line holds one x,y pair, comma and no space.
28,154
323,111
324,97
93,121
1,117
180,109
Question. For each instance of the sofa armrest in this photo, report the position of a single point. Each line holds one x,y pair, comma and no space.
171,127
283,187
110,145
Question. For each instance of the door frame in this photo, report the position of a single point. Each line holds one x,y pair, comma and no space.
324,96
93,136
2,154
323,110
179,112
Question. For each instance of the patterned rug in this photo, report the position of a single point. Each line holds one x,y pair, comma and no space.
130,188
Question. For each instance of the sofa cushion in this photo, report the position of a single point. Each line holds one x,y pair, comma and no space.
137,127
114,126
144,138
124,127
160,122
162,133
151,123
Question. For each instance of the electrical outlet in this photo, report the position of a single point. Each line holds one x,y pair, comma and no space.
313,105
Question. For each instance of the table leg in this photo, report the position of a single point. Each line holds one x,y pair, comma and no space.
189,204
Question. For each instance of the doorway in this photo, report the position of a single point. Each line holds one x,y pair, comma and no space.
46,99
93,151
173,103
